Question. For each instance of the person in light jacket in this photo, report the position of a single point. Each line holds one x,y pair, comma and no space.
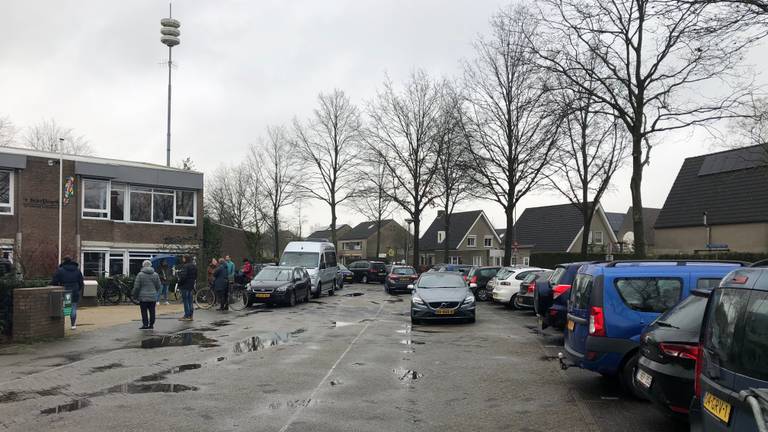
69,276
221,284
145,288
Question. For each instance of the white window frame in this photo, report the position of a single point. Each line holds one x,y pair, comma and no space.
486,243
597,238
106,212
9,204
526,261
473,241
477,260
455,260
440,236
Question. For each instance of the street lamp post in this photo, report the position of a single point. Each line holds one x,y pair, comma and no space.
170,38
408,240
61,189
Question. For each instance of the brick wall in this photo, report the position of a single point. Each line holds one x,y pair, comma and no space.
32,315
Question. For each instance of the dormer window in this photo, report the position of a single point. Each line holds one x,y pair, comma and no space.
440,236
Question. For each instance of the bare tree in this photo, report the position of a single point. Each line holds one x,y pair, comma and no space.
511,120
593,147
278,177
230,196
453,182
652,56
45,136
7,131
371,198
402,135
329,143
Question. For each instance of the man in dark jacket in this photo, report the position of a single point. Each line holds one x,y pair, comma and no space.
164,273
187,276
69,276
221,284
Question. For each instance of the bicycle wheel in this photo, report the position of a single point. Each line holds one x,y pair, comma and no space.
112,294
205,298
237,299
175,295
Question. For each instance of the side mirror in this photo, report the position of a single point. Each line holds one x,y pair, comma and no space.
473,285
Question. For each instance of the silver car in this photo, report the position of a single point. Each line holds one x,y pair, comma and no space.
441,296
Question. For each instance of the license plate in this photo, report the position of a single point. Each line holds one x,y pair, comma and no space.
644,378
262,295
404,279
717,407
444,311
571,325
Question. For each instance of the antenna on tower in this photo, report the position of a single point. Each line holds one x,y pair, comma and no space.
170,37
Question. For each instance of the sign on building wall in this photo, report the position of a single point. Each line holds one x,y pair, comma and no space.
69,189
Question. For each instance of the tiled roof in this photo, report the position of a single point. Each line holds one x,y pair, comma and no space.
364,230
649,220
615,219
548,228
461,222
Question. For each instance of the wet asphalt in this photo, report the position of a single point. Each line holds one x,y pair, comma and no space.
350,362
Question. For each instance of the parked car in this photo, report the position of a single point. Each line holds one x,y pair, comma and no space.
478,278
551,299
345,275
399,278
319,258
610,305
441,295
463,269
283,285
732,369
524,298
259,266
507,283
669,348
368,271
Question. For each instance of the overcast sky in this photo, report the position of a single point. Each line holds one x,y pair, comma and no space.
95,66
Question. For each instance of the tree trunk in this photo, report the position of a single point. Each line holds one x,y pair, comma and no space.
509,237
378,237
635,186
276,233
446,228
588,215
416,241
333,227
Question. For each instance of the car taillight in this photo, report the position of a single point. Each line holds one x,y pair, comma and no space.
532,287
473,280
697,377
372,270
690,352
393,277
596,321
559,290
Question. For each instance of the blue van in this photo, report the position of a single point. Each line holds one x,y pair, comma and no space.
611,304
732,369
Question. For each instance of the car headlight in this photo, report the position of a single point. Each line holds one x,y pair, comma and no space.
282,288
469,300
418,300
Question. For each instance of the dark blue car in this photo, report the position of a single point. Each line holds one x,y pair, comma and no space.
732,370
611,304
551,299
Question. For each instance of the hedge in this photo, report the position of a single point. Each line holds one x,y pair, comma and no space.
7,285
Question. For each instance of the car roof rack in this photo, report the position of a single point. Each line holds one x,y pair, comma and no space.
677,262
760,263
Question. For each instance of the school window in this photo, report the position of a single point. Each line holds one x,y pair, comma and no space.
440,236
488,241
6,192
95,202
472,241
94,264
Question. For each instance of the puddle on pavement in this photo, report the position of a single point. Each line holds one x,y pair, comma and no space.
316,302
17,396
335,382
298,332
134,388
179,340
67,407
298,403
411,342
162,375
221,323
354,294
107,367
374,302
256,343
394,300
548,358
407,374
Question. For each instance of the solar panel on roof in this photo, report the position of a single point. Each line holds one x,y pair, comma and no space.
745,158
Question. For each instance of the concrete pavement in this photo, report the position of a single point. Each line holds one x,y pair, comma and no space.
343,363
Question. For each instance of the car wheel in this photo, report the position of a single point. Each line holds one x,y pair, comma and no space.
248,301
292,299
482,294
517,304
513,302
364,279
628,380
319,291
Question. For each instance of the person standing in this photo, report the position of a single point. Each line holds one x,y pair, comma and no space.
247,270
187,277
69,276
230,270
163,272
145,288
221,283
212,266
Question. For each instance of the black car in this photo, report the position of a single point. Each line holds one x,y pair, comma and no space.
525,297
731,383
478,278
279,285
399,278
669,348
442,296
368,271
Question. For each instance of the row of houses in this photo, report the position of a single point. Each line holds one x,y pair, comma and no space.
718,202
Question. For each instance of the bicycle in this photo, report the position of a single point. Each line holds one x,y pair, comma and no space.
204,298
117,290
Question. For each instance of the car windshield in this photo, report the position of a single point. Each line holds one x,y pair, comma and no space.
504,273
687,315
300,259
557,275
531,277
342,267
442,280
274,274
403,271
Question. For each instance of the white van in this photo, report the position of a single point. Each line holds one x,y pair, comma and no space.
319,258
